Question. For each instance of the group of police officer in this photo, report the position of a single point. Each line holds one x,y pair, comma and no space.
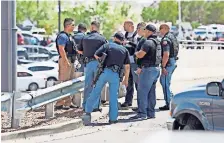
135,57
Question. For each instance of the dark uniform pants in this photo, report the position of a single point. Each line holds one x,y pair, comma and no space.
133,78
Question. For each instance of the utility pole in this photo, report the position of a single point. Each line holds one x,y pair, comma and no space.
59,15
8,46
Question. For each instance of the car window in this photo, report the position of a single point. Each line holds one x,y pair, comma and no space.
43,51
40,68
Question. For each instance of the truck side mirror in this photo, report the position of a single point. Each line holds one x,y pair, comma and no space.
214,89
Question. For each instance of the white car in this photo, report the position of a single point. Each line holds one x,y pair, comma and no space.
27,80
48,68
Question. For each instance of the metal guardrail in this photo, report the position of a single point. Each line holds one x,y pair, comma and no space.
6,101
18,103
192,44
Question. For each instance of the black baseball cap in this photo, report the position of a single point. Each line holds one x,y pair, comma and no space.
119,36
151,27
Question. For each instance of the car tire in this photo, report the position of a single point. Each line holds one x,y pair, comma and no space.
51,79
192,124
33,87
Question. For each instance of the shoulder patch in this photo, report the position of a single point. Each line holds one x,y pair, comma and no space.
164,43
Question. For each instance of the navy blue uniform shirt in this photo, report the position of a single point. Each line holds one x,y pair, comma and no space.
116,54
78,37
90,43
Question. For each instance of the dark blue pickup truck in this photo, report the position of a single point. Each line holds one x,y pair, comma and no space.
198,108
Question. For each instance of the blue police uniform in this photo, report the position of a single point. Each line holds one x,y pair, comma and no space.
148,78
78,38
113,51
89,45
165,80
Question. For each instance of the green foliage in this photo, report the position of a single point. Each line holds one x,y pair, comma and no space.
203,12
39,12
192,11
149,14
168,11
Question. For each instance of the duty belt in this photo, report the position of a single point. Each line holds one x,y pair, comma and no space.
114,68
148,65
87,59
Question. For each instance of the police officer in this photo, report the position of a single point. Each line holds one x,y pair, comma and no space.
130,43
88,46
141,39
78,37
67,52
169,53
110,74
150,54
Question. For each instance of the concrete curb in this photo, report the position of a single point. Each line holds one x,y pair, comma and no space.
52,129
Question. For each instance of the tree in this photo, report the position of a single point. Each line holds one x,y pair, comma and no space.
149,14
33,11
215,13
168,11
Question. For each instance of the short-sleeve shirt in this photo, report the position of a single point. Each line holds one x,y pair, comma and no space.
62,39
90,43
149,47
116,54
165,44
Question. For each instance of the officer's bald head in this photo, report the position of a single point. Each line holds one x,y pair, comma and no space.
128,25
95,26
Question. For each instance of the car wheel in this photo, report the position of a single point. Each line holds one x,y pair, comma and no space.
51,79
192,124
33,87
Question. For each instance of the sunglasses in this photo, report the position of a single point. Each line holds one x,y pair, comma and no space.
143,28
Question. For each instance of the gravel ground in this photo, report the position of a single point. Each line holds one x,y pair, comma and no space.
36,118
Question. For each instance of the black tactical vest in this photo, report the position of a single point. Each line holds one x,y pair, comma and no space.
130,49
173,43
69,46
157,57
154,56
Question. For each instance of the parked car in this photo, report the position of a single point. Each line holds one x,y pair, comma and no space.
48,68
22,53
20,38
28,80
39,57
198,108
34,50
22,61
49,51
29,39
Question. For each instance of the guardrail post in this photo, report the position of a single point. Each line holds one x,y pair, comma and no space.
16,116
14,120
49,108
77,98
